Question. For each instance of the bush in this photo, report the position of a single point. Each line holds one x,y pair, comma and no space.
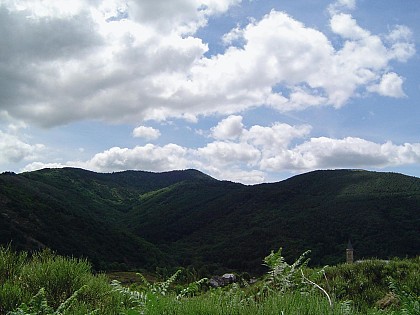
11,263
11,296
46,283
59,276
367,282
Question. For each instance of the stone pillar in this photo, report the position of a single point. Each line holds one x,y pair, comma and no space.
349,253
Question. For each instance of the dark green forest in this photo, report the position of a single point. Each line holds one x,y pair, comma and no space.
144,220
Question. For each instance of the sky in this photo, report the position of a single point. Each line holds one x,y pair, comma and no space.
247,91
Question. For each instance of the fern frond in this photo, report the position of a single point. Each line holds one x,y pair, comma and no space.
67,303
134,297
410,303
37,305
192,288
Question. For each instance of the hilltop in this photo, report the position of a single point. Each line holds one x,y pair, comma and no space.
186,218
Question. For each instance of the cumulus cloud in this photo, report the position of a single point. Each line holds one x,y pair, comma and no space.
341,5
276,137
250,154
148,157
282,147
390,85
235,35
14,149
223,153
402,46
346,26
183,16
147,133
349,152
129,61
229,128
34,166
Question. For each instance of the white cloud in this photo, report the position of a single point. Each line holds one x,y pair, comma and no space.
229,128
276,148
274,138
235,174
300,99
400,33
182,16
346,26
349,152
222,153
14,149
351,4
326,152
129,61
248,156
390,85
233,35
34,166
147,133
340,5
148,157
401,41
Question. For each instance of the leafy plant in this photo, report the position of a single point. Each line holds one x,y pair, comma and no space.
282,276
151,292
11,295
367,282
38,305
410,304
59,276
135,299
160,288
11,263
193,288
45,283
285,289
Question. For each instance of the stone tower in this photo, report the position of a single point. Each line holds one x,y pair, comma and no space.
349,253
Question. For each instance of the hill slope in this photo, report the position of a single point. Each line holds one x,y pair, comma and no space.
76,212
188,218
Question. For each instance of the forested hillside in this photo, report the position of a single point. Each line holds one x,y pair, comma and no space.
186,218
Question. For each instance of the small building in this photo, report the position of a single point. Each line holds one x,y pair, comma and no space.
349,253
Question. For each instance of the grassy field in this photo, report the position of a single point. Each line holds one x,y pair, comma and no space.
45,283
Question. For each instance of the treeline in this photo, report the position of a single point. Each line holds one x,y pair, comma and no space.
146,220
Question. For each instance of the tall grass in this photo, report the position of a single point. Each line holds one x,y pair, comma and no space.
46,284
367,282
230,304
11,292
56,283
59,276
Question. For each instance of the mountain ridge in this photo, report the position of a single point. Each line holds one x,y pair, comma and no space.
179,218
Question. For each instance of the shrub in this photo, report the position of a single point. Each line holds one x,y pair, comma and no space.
11,296
367,282
46,283
59,276
11,263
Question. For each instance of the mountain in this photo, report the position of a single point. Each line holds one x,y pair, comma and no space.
186,218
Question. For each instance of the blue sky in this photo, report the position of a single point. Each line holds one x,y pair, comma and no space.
248,91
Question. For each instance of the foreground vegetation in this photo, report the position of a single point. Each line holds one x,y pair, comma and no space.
45,283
